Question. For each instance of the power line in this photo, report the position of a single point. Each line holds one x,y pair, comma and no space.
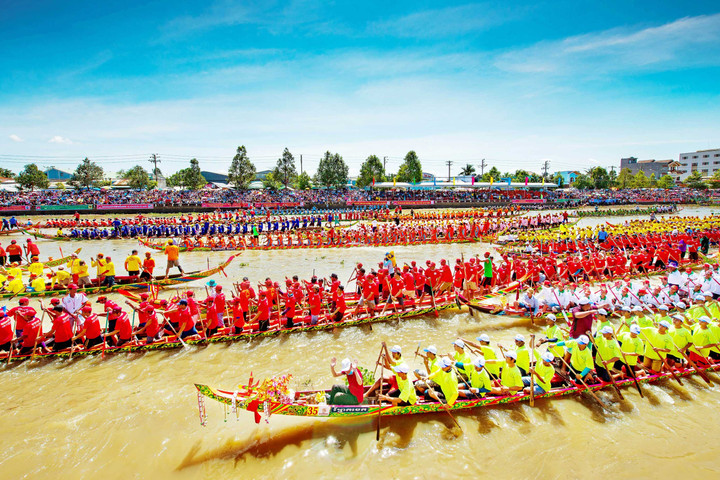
483,164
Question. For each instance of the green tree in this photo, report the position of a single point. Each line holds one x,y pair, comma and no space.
87,174
583,182
467,170
242,170
695,181
6,173
558,180
641,180
612,177
137,178
271,182
195,180
600,178
177,179
31,177
303,181
411,169
666,181
371,168
285,169
653,180
521,175
332,171
626,179
493,173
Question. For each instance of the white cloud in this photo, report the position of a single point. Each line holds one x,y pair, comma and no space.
447,21
686,42
15,138
59,139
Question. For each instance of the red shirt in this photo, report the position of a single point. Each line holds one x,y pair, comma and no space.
315,303
6,330
340,304
153,326
22,314
62,324
220,302
185,319
124,326
92,326
30,332
264,309
409,281
446,275
355,387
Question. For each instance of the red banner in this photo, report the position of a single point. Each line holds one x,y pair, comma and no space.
125,206
529,200
15,208
414,202
277,204
224,205
369,202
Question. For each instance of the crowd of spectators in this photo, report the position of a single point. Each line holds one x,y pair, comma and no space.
344,196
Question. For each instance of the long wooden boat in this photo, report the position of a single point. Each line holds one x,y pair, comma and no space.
127,283
240,400
159,246
51,262
424,309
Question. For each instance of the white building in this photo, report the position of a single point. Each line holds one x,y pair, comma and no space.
707,162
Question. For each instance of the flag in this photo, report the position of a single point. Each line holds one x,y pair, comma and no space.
509,182
434,182
473,180
373,181
453,180
543,181
559,181
526,181
491,181
394,181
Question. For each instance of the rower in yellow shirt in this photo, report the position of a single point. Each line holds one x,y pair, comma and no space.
84,275
37,283
15,284
109,279
61,277
14,270
74,266
36,267
133,263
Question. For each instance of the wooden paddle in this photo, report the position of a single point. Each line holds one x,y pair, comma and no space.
587,388
532,376
382,375
664,360
629,368
42,318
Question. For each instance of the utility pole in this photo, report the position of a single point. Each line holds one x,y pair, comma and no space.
449,164
384,163
482,167
154,160
612,168
301,170
546,165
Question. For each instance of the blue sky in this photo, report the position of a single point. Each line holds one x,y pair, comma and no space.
579,83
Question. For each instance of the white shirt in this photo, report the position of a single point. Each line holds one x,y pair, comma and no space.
74,305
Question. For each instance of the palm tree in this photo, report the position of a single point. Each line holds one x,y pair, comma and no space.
467,170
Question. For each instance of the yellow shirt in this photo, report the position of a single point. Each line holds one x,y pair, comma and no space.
489,354
15,272
110,269
631,345
15,285
132,263
36,268
480,379
84,271
38,284
510,376
448,384
407,391
100,265
74,265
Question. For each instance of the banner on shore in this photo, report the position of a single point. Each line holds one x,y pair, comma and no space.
414,202
368,202
277,204
529,200
224,205
125,206
15,208
65,207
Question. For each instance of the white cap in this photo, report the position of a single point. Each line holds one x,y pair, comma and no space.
699,297
584,301
431,349
634,328
602,311
704,318
583,340
484,338
395,349
625,308
402,368
680,305
606,329
345,365
708,293
678,317
663,307
511,354
519,338
551,317
459,343
445,362
548,357
479,362
664,323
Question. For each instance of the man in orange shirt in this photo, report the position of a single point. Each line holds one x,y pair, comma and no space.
173,257
14,252
147,267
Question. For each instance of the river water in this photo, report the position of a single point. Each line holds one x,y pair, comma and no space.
135,416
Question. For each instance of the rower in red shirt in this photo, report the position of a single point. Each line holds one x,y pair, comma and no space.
61,330
315,304
219,303
152,326
123,327
6,332
32,337
92,330
22,313
263,312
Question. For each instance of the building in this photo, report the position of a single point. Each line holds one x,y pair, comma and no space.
57,175
212,177
706,161
649,167
568,176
